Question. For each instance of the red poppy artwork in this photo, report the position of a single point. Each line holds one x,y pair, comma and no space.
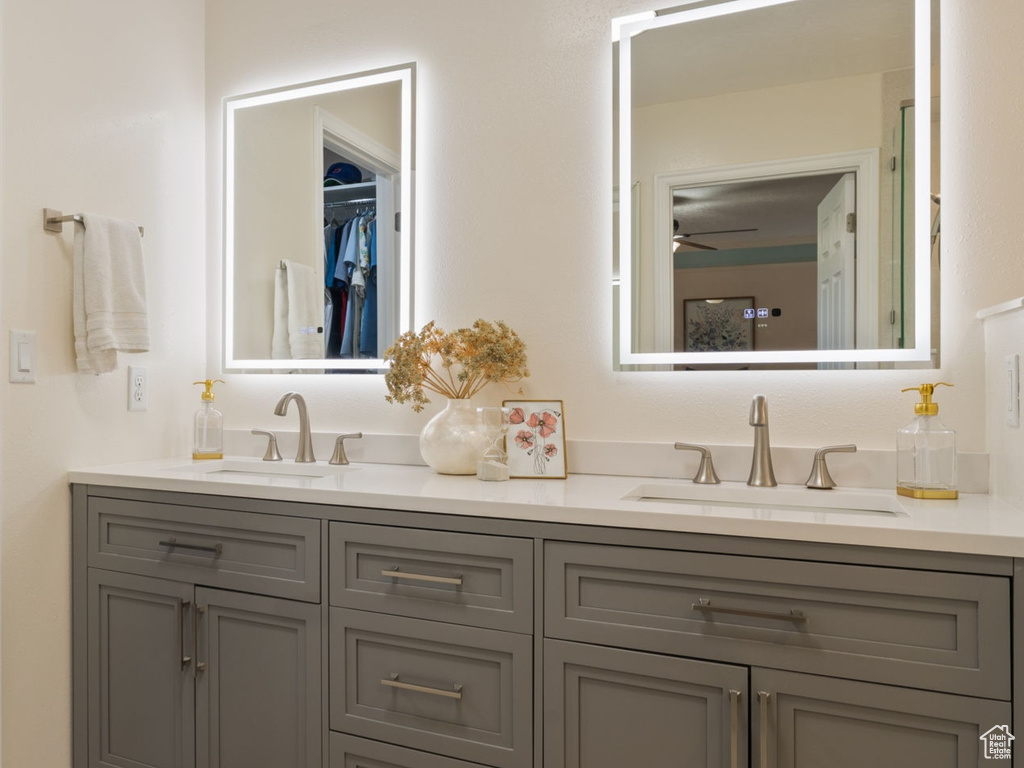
536,439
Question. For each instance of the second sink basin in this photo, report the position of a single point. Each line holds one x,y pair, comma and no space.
859,501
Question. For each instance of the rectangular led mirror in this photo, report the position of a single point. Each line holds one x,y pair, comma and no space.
318,225
776,181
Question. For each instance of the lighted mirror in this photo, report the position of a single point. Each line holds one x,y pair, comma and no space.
777,184
318,225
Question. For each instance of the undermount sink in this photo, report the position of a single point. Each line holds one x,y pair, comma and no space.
859,501
226,468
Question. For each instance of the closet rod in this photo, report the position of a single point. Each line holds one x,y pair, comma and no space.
360,201
53,220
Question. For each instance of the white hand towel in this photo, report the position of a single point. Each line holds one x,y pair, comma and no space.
280,347
109,302
305,313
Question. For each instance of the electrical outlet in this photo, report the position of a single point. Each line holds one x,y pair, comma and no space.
138,388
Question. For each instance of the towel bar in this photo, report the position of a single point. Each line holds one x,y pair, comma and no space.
53,220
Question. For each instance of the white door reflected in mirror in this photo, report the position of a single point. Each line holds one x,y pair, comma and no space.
318,223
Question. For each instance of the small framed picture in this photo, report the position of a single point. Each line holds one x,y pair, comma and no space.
535,442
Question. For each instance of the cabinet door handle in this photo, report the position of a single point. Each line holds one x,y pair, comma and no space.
394,573
762,698
704,606
734,735
394,682
173,543
200,665
183,605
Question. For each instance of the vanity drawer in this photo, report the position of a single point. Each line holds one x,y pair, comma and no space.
483,581
265,554
936,631
460,691
352,752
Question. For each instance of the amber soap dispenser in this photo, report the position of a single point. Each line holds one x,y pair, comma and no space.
926,451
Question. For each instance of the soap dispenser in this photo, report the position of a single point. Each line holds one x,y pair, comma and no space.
926,451
209,426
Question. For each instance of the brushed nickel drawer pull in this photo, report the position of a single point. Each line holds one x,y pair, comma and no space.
734,736
173,543
394,682
762,698
183,605
394,573
200,665
704,605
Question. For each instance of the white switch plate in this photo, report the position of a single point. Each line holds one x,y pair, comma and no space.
138,388
1013,390
23,357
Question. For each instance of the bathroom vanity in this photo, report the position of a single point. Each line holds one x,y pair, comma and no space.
387,617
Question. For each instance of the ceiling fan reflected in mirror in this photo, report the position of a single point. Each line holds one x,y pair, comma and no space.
683,238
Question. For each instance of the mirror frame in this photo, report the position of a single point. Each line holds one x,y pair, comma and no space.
623,30
403,74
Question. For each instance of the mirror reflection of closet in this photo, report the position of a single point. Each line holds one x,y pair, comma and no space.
361,178
282,292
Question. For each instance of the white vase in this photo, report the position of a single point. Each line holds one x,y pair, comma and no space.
453,441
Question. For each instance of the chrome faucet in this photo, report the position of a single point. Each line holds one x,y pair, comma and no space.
761,472
305,452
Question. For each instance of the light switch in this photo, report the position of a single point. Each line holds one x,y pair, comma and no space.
23,357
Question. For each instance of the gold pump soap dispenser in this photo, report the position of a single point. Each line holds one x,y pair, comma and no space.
208,438
926,451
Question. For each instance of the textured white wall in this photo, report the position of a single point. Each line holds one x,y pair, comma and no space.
102,112
514,207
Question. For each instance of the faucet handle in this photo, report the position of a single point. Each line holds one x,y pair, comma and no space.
820,478
706,471
272,453
339,456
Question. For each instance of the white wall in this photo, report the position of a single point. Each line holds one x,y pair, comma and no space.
1004,336
514,184
102,112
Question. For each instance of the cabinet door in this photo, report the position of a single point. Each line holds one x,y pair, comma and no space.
808,721
609,708
141,689
258,673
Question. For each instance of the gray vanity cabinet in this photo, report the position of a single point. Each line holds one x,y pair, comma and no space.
185,676
178,673
806,721
431,645
936,643
141,700
209,634
609,708
258,697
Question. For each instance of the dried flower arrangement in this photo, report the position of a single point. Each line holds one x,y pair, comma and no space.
469,359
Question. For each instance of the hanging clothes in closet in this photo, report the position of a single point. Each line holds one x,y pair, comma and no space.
350,270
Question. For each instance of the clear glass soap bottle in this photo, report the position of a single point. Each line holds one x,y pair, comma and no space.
208,437
926,451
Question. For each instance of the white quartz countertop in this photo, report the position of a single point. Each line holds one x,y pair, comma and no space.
973,524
